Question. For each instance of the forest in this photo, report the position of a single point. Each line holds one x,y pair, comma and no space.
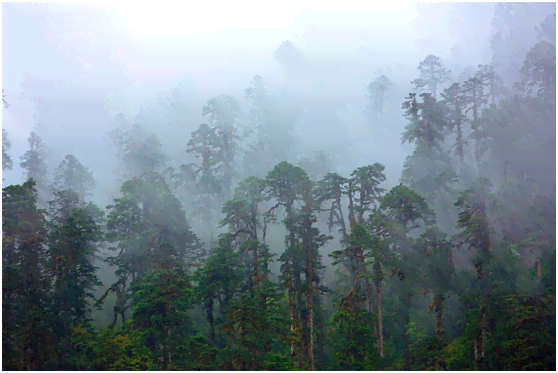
453,268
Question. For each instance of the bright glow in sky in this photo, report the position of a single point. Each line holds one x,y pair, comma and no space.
154,20
159,21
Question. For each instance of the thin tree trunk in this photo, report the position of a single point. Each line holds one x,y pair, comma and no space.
439,317
483,333
368,294
451,264
310,294
460,142
406,300
228,176
309,306
539,268
440,323
476,352
256,261
211,322
291,314
343,226
265,248
116,311
380,321
485,244
368,304
354,262
323,296
407,359
162,359
351,207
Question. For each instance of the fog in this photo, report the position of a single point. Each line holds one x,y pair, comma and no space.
80,75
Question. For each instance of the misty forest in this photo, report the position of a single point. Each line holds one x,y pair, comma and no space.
212,240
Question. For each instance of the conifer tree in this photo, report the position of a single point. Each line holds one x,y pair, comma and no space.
26,337
282,183
147,227
137,150
401,212
473,220
222,113
436,259
33,162
538,74
203,178
454,102
71,174
272,121
432,74
70,263
161,301
377,90
312,240
7,163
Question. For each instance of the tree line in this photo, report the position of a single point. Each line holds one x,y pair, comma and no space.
446,270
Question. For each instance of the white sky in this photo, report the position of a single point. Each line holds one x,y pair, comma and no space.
72,68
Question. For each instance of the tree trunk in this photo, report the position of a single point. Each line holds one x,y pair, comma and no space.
440,324
324,300
355,272
266,252
211,322
439,317
368,304
460,142
227,162
451,264
407,359
476,352
291,314
309,305
368,295
539,268
485,244
483,333
309,302
256,262
380,319
343,226
351,207
163,358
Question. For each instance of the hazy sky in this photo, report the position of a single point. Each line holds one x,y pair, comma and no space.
69,69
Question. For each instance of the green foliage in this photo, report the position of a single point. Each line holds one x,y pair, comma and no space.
71,174
230,311
27,339
354,344
406,209
7,163
161,301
